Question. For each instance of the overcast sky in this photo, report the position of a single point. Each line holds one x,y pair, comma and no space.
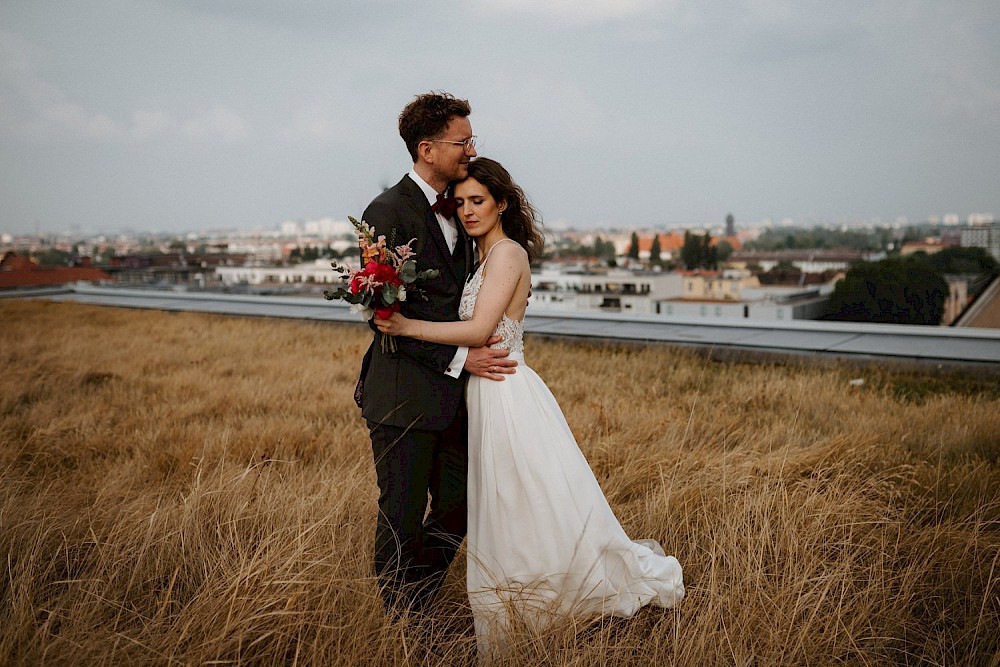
175,115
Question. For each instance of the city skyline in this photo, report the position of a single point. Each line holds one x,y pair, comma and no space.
306,227
176,115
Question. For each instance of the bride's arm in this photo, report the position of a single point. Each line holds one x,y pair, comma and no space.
507,266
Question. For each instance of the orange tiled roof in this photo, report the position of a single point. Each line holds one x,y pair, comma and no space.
59,276
14,262
674,241
668,242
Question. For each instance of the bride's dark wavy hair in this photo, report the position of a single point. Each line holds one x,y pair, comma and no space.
520,220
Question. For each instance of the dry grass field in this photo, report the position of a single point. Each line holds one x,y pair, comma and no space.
195,489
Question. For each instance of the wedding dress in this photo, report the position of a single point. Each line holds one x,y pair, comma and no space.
543,543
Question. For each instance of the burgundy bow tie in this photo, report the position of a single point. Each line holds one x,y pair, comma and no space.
445,206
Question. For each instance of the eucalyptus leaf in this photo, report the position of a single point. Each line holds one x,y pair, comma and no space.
408,272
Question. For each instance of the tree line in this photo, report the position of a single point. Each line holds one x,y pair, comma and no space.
312,253
905,290
698,252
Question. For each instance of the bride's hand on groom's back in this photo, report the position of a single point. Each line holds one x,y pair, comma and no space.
489,363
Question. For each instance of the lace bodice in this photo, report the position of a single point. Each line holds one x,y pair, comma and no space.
512,331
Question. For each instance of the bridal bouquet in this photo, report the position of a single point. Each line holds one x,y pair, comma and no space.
387,278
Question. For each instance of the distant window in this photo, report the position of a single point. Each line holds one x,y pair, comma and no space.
670,310
781,313
718,311
704,311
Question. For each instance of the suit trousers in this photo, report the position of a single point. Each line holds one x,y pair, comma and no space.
414,547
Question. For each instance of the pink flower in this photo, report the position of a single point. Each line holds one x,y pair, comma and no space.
404,252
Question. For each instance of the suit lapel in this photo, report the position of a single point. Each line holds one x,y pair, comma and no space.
418,202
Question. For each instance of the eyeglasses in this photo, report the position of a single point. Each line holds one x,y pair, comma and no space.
468,144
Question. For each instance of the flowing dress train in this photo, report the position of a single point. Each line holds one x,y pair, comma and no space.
543,542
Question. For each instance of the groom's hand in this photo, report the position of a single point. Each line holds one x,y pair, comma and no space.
489,363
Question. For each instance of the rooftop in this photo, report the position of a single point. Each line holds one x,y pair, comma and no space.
858,341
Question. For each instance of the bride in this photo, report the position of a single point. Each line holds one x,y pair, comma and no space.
543,542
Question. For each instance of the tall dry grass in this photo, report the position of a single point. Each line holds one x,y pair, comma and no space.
193,489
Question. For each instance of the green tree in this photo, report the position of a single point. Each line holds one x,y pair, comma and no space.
899,291
52,257
955,259
723,250
633,248
822,237
691,251
654,251
604,249
709,256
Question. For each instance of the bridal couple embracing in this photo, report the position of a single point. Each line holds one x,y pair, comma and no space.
460,421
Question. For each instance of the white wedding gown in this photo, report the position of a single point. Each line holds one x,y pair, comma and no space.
543,542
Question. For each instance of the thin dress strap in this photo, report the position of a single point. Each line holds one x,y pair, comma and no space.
487,258
481,272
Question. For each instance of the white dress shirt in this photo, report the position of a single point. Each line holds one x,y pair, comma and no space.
450,232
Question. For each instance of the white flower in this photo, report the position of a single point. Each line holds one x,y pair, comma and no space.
359,308
401,296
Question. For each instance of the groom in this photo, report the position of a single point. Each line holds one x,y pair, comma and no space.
413,399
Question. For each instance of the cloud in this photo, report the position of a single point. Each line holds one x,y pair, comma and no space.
313,122
563,111
317,18
778,30
147,125
14,55
572,11
34,107
219,123
74,119
771,11
947,59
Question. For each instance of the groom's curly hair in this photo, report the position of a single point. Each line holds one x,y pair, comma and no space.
427,117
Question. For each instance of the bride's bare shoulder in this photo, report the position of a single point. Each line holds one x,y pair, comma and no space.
510,252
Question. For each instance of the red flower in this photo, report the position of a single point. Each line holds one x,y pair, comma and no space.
383,273
385,312
366,287
355,285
